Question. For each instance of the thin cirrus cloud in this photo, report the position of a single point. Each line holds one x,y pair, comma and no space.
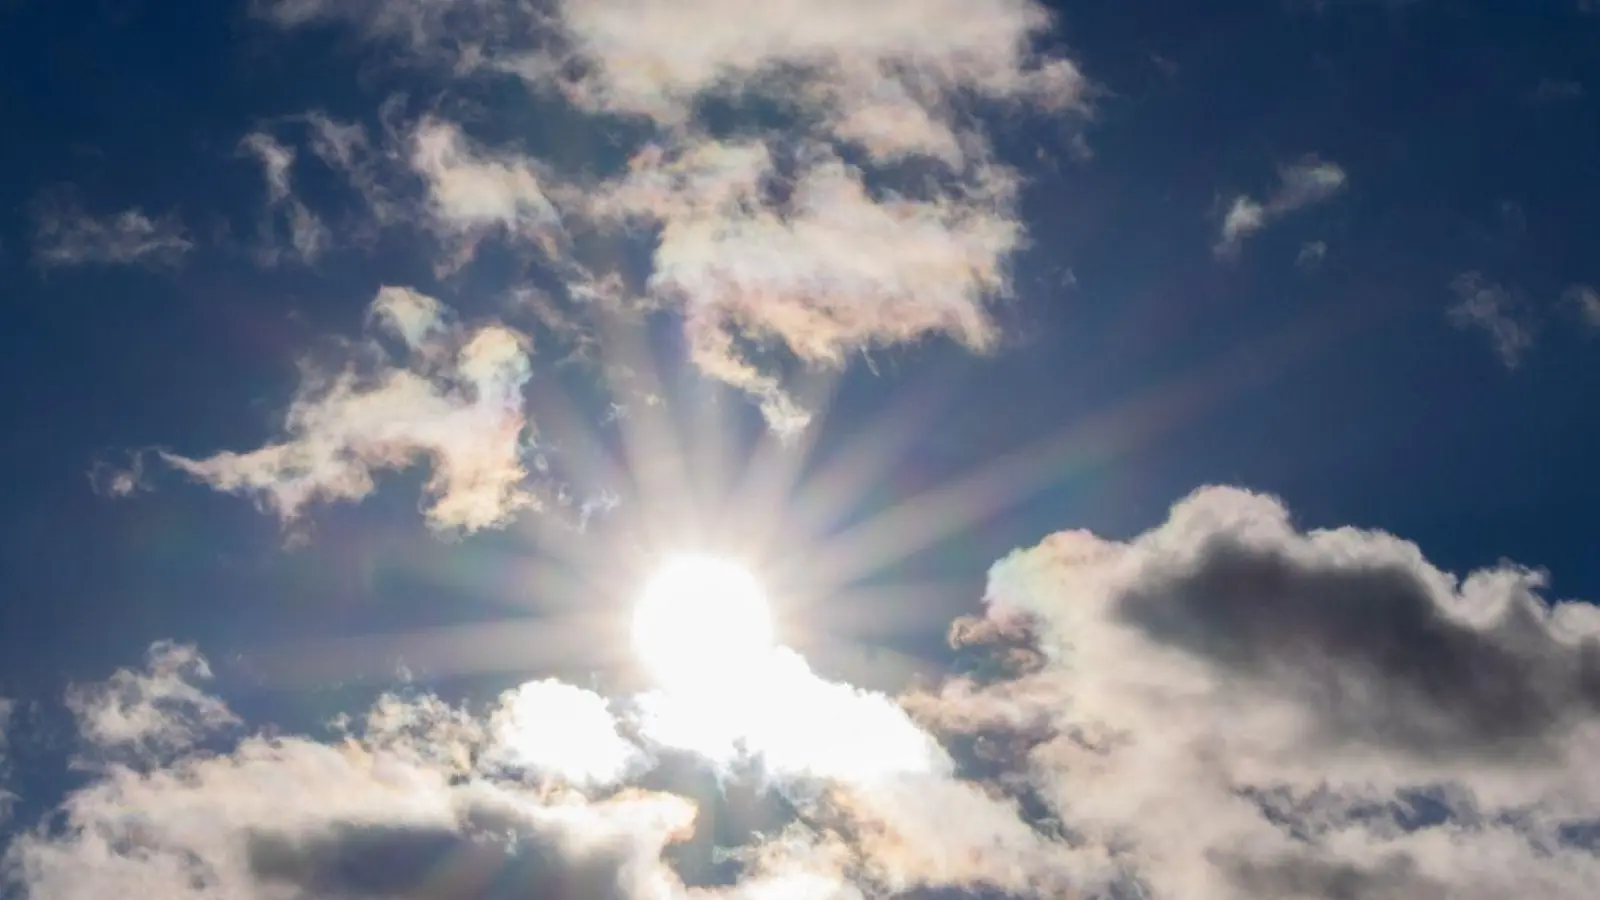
453,400
867,256
308,236
1305,183
1584,302
1497,311
1344,717
66,234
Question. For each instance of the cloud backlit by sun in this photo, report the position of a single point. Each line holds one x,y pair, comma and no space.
1224,668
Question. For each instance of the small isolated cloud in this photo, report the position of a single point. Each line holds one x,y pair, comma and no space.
453,402
119,481
307,235
1584,302
869,208
1497,312
1311,254
155,712
65,234
1305,183
1554,90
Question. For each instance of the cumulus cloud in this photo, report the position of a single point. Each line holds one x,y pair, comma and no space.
1497,312
308,236
66,234
159,710
1225,706
454,401
1344,718
362,817
872,209
1305,183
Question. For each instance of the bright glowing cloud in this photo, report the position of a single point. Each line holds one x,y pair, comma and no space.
455,402
878,213
555,730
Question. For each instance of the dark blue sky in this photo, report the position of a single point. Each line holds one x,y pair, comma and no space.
1320,361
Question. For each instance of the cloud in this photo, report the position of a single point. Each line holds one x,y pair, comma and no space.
1584,301
1305,183
1485,305
1311,254
472,190
361,817
308,236
1345,718
119,482
864,206
454,401
65,234
1551,90
154,712
7,799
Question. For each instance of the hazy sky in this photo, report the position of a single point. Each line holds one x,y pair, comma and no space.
1165,431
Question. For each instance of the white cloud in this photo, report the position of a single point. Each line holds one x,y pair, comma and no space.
151,713
1224,706
308,236
1500,314
471,190
65,234
1305,183
768,238
454,402
1231,707
1584,301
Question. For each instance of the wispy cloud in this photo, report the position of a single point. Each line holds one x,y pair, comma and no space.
1311,254
1305,183
1497,312
454,402
66,234
149,714
1584,302
308,236
1555,90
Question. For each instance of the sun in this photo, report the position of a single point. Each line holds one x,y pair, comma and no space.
701,620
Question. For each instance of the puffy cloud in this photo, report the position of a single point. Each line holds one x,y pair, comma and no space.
369,816
1500,314
66,234
308,236
151,713
455,402
1344,718
871,209
1305,183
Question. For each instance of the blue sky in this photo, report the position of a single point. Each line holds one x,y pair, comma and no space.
374,351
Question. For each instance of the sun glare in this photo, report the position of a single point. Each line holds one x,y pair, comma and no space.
701,620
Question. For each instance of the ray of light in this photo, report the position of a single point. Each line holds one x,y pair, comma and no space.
923,520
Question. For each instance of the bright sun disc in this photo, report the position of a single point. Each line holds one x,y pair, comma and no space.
701,619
